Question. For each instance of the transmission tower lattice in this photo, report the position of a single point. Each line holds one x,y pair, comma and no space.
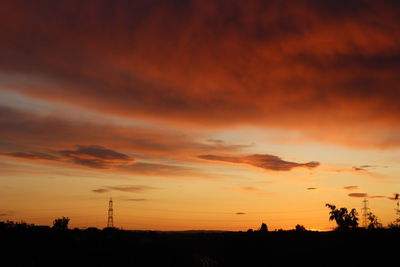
365,212
396,197
110,221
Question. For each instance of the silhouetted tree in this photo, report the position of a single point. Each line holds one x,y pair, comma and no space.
263,228
61,223
300,228
344,219
373,221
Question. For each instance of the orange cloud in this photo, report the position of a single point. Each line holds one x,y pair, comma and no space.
34,130
326,70
31,155
351,187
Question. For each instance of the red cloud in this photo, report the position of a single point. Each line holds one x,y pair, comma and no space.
321,69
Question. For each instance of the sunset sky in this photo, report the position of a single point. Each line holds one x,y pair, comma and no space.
197,114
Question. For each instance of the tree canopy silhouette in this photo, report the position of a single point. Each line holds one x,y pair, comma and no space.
300,228
61,223
344,219
263,228
373,221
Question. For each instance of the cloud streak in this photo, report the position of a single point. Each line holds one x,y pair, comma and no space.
351,187
97,157
364,195
100,190
264,161
131,188
31,155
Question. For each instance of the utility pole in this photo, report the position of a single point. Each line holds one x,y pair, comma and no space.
110,221
365,212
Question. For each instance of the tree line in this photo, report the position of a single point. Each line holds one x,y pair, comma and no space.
345,220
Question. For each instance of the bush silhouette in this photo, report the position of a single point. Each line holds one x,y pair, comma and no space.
61,223
344,219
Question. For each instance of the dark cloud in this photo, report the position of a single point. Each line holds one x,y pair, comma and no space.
4,214
240,213
367,167
362,168
31,155
95,151
97,157
351,187
131,188
90,156
312,188
125,188
100,190
363,195
264,161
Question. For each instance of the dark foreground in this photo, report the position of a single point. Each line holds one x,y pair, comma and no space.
46,247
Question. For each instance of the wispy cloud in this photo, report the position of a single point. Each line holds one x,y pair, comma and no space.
136,199
97,157
364,195
31,155
395,196
367,167
264,161
131,188
351,187
100,190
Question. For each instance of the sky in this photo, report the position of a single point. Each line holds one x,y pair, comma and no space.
198,114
